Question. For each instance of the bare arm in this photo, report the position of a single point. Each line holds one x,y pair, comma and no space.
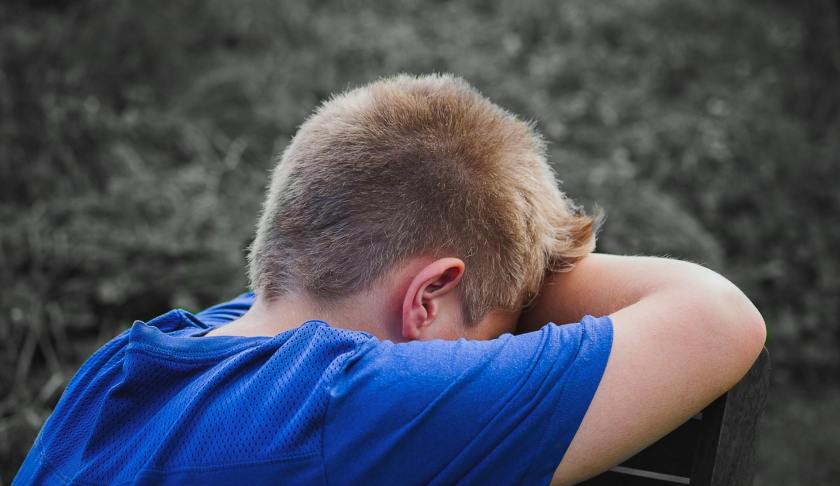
682,336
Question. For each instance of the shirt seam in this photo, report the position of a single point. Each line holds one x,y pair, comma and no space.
220,467
529,471
532,365
50,466
365,347
587,332
192,357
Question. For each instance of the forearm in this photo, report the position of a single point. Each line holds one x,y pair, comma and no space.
603,284
682,336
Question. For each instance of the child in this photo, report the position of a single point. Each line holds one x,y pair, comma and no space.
408,225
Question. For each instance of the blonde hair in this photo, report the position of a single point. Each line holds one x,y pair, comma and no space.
408,166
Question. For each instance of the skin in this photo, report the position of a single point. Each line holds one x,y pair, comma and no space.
682,336
417,301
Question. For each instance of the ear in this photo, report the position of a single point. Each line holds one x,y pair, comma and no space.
421,304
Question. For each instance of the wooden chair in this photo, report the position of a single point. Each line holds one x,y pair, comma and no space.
714,448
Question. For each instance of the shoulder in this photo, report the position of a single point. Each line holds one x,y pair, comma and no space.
471,403
431,365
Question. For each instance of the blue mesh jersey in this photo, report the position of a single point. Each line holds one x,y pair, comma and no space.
162,403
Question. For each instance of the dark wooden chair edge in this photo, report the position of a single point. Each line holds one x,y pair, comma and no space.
715,448
725,453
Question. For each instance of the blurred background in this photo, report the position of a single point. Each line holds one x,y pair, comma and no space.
135,139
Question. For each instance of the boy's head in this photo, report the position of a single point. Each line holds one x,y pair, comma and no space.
410,168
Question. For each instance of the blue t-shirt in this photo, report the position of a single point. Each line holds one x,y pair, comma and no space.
162,403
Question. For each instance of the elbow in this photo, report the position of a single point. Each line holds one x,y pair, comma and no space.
744,326
755,329
731,334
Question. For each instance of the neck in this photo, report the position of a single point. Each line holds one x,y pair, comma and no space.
269,318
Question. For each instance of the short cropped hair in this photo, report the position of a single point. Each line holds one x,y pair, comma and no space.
409,166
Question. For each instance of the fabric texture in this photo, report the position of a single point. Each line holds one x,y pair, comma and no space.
162,403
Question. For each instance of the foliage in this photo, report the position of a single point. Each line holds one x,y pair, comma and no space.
135,139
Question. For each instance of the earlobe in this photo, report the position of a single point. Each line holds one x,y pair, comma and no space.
421,302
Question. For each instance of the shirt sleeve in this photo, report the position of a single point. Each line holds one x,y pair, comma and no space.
502,411
227,311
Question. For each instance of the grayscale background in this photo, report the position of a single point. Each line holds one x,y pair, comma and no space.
135,139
